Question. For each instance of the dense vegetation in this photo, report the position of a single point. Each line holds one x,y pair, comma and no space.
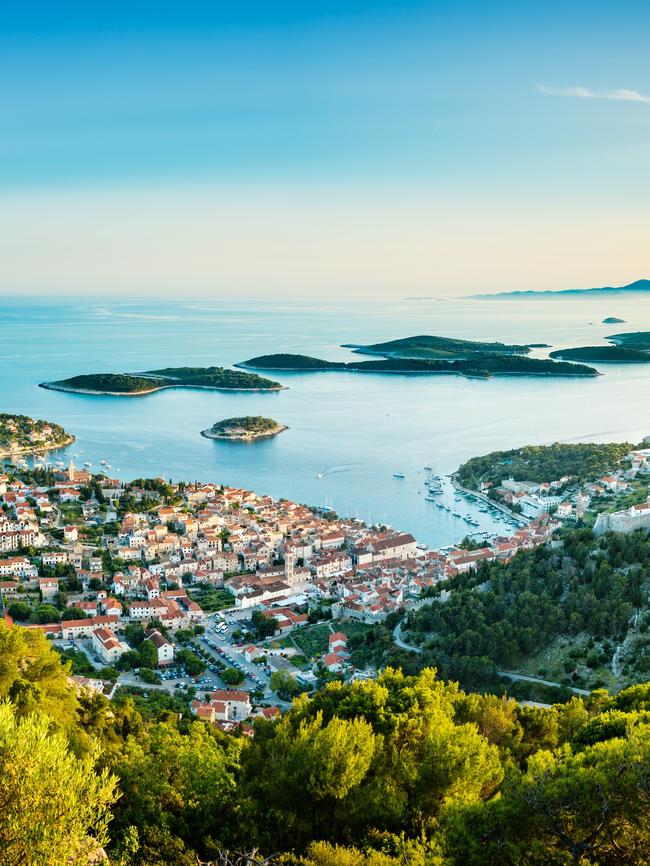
479,365
110,383
401,771
286,361
246,427
425,346
609,354
216,377
204,377
595,592
632,340
22,433
583,461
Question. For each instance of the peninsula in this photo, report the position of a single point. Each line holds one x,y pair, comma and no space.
478,366
534,464
244,429
632,340
22,435
604,354
138,384
436,348
631,288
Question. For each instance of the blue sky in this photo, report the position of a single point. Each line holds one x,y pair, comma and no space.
339,113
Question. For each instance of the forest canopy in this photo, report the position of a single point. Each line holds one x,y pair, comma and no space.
397,771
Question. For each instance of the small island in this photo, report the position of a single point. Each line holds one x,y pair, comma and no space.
22,435
612,320
476,367
632,340
139,384
434,348
244,429
604,354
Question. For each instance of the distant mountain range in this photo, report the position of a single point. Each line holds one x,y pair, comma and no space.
637,286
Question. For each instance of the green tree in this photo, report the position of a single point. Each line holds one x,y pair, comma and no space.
32,676
134,634
128,660
262,626
583,808
284,685
45,613
148,654
55,807
191,662
178,785
19,610
232,677
73,613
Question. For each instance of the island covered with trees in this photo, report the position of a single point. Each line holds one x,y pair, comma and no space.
581,461
604,354
478,366
437,348
244,429
22,435
137,384
404,770
632,340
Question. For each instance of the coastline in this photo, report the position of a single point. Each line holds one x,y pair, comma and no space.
40,449
245,366
248,437
467,491
53,386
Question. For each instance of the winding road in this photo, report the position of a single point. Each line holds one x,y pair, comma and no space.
397,637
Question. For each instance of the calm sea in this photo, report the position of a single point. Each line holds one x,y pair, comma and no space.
347,433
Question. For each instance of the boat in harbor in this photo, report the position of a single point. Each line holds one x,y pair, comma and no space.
398,475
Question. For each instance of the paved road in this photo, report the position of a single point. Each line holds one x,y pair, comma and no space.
230,654
397,637
516,677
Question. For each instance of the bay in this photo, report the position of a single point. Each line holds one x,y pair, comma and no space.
348,433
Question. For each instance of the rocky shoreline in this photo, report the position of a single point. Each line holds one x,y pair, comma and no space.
243,436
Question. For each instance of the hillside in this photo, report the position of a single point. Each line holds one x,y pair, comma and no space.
576,613
401,771
134,384
215,377
431,347
605,354
637,286
107,383
478,366
584,461
632,340
20,434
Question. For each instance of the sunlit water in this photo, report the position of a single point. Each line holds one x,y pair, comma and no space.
352,430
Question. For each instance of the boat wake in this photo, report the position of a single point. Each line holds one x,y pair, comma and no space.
334,470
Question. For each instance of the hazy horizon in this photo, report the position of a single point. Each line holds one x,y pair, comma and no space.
329,150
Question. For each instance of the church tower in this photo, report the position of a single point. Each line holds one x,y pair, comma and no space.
288,566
